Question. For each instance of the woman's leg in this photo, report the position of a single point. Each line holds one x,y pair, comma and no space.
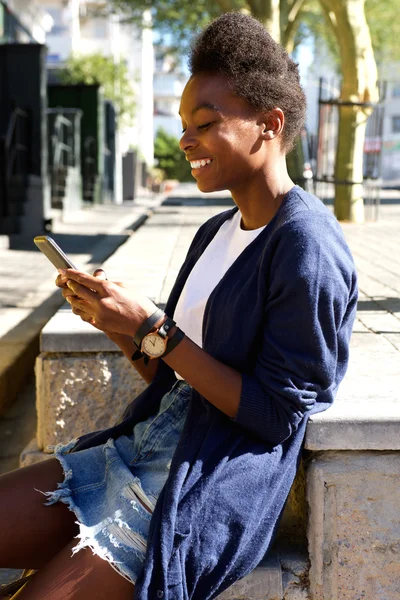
85,576
31,533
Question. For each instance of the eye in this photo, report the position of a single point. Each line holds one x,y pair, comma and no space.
205,126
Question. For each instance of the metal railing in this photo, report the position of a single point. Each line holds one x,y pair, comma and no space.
89,168
64,125
14,160
64,136
325,179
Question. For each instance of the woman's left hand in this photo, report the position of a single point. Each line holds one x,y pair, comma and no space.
108,306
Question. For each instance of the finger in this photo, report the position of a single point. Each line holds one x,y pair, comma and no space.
88,281
78,304
61,281
68,293
86,318
100,274
81,291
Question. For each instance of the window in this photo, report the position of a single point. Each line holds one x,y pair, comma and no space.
59,27
396,90
396,124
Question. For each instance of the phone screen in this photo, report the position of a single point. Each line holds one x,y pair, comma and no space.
56,256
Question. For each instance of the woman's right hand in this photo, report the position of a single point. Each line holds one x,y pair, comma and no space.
61,282
123,341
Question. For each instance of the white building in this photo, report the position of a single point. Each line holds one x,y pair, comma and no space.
169,82
85,27
391,125
23,21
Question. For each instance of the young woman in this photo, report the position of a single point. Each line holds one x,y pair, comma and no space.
183,497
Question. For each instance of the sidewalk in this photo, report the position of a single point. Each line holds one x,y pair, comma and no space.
28,297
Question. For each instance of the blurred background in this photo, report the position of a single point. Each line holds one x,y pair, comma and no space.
90,90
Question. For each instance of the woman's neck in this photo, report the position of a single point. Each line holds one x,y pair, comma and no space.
259,204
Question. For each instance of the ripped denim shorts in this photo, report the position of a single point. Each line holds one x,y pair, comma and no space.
113,488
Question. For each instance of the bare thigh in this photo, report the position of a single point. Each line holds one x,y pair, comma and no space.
83,576
31,533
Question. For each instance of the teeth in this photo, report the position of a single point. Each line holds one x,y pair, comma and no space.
196,164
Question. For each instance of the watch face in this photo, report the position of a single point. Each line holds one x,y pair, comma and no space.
153,345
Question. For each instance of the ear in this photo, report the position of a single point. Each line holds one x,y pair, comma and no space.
272,124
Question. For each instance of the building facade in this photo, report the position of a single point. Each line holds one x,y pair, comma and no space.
84,27
169,81
23,21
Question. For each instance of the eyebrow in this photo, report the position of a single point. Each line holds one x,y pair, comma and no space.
206,105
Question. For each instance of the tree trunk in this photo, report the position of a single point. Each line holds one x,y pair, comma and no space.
268,12
359,85
289,21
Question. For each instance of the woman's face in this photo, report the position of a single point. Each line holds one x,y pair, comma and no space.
221,135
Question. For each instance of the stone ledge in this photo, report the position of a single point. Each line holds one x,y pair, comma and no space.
353,425
66,333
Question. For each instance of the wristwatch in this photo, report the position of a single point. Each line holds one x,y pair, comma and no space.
147,326
157,343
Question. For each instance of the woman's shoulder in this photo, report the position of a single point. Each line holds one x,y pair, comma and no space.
304,215
307,234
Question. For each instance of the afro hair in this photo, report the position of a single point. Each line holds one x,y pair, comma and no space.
238,47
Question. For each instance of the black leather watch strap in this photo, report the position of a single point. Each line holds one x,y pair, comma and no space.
174,341
147,326
136,355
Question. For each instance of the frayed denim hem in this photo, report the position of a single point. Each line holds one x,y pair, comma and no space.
87,535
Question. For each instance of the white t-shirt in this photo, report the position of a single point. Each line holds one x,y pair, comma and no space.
228,243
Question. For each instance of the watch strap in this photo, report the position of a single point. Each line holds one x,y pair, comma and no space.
147,326
166,327
174,341
136,355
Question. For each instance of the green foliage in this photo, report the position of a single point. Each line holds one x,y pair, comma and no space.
170,157
382,19
178,20
113,77
181,18
313,26
384,24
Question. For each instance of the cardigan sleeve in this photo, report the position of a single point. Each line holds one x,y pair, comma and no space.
308,318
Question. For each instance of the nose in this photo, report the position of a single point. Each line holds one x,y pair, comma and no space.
187,141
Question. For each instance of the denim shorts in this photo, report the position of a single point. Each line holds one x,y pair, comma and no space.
113,488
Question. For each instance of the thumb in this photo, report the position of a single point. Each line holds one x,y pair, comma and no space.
100,273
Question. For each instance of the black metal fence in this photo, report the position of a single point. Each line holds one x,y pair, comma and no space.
326,146
15,156
64,130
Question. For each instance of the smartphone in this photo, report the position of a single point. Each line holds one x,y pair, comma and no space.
48,246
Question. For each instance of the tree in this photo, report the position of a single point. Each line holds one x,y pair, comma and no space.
170,158
113,77
384,24
281,18
359,92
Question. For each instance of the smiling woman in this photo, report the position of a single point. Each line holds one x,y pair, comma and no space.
182,497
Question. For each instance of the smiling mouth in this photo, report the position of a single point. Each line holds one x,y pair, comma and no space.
199,164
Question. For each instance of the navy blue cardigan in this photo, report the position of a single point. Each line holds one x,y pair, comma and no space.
282,316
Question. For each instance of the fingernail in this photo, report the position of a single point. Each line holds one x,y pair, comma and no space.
61,271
